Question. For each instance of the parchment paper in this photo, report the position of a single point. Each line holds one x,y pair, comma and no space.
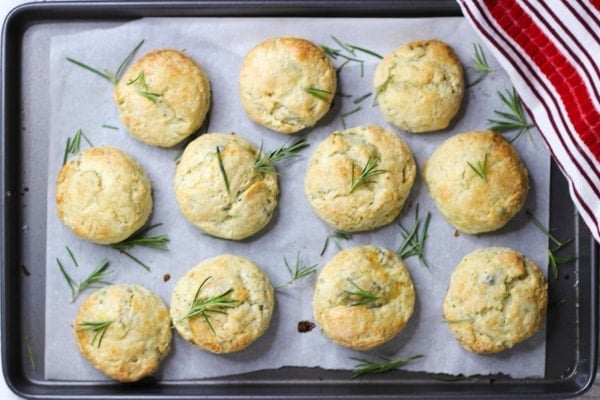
82,100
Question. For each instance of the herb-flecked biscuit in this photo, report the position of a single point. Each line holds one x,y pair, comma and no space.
163,98
103,195
233,302
420,86
364,296
477,181
218,189
497,298
287,84
123,331
340,190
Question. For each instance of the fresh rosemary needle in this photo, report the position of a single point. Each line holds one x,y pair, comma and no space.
203,307
360,296
73,144
515,119
297,272
480,64
106,74
264,162
558,245
142,87
158,242
332,237
222,169
480,168
96,279
30,354
320,94
381,88
413,243
365,366
98,328
368,171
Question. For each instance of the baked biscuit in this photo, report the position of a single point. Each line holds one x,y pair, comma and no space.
363,321
218,189
223,304
343,194
123,331
287,84
420,86
163,98
103,195
477,181
497,298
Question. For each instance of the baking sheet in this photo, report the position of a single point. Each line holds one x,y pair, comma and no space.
80,100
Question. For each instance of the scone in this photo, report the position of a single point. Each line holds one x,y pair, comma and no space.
287,84
477,181
359,179
163,98
103,195
223,304
419,86
219,191
364,296
123,331
497,298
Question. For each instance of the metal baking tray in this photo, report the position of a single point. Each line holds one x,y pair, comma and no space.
572,322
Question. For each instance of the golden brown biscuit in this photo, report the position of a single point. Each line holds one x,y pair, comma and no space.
363,321
163,98
103,195
231,302
477,180
123,331
287,84
218,189
420,86
497,298
338,194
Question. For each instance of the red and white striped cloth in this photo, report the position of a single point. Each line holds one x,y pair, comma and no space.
551,51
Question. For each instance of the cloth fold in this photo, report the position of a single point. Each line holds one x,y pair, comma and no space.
550,50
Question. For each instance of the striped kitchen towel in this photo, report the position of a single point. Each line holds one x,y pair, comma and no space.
551,51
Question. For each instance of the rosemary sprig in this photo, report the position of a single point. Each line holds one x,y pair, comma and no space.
515,119
320,94
264,162
98,328
158,242
368,171
73,144
360,296
96,279
413,243
365,366
106,74
142,87
30,354
205,306
381,88
332,237
299,271
222,169
480,168
481,64
558,245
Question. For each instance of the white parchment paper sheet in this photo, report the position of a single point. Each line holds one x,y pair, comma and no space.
82,100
